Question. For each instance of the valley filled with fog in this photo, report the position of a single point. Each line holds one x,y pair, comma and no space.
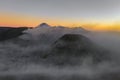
59,53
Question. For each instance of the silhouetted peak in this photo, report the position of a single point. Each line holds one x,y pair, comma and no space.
43,25
72,41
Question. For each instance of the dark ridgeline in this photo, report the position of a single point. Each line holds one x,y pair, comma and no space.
9,32
72,48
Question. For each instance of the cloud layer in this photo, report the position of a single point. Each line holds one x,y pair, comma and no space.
19,57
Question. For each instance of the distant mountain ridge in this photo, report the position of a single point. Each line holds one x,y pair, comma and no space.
10,32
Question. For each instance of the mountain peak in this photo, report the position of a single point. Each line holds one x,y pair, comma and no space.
43,25
77,46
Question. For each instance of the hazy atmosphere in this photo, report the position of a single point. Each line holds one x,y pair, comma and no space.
59,40
91,14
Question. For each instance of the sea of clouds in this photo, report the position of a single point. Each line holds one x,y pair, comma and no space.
20,58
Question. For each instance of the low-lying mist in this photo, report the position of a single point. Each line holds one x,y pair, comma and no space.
23,58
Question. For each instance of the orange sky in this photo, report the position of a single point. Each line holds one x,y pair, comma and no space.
24,20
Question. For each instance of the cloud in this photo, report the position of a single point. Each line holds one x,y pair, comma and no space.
22,60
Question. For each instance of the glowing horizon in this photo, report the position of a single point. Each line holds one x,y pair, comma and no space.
90,14
14,20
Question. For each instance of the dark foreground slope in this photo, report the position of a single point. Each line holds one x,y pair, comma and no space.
9,33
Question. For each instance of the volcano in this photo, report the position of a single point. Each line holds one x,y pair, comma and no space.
44,25
73,48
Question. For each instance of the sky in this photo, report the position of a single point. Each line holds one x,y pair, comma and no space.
91,14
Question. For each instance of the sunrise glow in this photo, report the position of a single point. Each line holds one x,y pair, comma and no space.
15,20
74,13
